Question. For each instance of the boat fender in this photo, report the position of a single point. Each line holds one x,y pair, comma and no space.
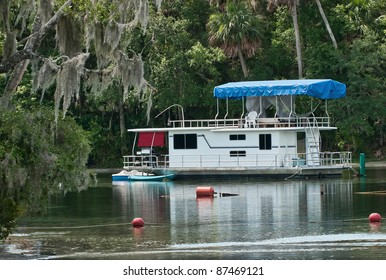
138,222
375,218
204,191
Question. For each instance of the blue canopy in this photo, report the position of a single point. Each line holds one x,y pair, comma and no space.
324,89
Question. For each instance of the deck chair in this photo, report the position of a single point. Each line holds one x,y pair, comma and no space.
250,119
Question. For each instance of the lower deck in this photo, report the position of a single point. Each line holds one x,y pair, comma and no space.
330,164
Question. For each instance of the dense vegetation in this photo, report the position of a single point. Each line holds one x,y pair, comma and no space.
74,75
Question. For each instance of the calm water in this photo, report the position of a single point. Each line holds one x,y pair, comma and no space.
266,220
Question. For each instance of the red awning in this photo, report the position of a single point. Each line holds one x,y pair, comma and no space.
151,139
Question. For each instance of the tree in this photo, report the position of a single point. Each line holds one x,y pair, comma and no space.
236,30
36,161
17,62
292,6
84,30
39,153
362,116
327,24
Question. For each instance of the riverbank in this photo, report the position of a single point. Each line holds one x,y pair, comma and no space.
6,255
372,164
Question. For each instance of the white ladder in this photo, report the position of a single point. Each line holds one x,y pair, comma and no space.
313,146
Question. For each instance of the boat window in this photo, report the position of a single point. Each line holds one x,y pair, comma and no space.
265,141
237,153
237,137
185,141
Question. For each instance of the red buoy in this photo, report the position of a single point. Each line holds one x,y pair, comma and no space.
138,222
204,191
375,218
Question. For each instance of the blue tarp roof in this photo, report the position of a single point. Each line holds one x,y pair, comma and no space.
324,89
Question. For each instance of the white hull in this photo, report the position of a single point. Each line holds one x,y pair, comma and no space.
261,172
289,153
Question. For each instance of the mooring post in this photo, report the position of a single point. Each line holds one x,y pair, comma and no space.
362,164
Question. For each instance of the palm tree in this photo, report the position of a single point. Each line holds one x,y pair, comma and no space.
325,20
236,30
292,6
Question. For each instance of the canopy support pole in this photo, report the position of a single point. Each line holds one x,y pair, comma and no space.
152,143
277,106
218,110
292,109
242,105
328,116
227,109
135,141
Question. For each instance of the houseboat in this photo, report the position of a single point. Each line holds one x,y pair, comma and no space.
267,139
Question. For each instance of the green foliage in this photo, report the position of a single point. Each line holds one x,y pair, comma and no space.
2,38
202,60
362,115
281,48
235,28
322,60
9,211
182,69
38,159
195,12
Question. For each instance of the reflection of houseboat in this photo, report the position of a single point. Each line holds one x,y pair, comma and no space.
283,144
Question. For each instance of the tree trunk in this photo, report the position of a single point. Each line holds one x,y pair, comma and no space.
321,11
242,62
122,125
13,82
294,14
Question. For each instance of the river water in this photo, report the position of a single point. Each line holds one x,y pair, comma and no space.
290,220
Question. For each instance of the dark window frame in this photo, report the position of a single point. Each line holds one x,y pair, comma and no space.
237,137
185,141
265,141
237,153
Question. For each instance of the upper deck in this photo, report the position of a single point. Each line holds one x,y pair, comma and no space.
293,122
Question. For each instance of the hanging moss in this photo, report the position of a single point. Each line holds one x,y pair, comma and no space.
4,15
46,76
68,82
26,9
110,45
67,36
45,10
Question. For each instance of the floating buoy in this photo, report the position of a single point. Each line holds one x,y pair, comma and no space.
204,191
375,218
138,222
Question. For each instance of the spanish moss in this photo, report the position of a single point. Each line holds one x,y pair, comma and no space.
68,82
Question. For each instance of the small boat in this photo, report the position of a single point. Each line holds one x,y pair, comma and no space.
165,177
123,175
135,175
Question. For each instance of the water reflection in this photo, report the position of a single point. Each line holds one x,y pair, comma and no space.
148,200
311,219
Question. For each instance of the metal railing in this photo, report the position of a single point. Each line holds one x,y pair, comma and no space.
258,123
225,161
